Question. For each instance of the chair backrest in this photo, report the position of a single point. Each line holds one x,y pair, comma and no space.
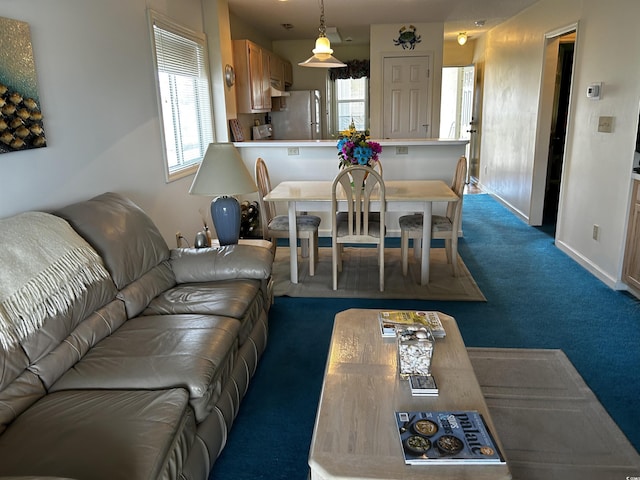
378,167
361,185
459,181
267,209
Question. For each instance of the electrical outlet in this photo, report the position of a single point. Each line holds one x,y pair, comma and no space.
596,232
402,150
293,151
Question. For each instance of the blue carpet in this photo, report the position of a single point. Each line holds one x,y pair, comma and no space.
537,297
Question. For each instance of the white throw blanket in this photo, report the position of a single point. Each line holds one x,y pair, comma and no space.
44,266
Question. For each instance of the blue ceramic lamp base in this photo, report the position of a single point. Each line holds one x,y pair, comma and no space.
225,213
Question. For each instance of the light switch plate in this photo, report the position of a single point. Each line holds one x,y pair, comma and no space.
605,124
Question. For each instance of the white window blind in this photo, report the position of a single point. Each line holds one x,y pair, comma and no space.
183,88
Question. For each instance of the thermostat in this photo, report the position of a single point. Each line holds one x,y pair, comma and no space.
593,91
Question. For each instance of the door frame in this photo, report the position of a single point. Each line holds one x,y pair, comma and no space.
543,130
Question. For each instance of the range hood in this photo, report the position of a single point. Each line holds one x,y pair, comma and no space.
278,93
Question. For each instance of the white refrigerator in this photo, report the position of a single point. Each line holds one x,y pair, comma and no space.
299,117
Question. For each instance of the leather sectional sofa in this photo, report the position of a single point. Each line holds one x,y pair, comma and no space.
141,374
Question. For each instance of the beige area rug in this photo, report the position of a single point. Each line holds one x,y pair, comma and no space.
359,277
550,423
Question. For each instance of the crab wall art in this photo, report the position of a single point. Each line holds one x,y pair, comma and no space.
407,38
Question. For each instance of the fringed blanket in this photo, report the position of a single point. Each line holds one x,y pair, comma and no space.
44,266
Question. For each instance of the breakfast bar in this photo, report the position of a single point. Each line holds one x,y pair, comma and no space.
317,160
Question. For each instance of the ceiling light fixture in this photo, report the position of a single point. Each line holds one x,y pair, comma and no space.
322,57
462,38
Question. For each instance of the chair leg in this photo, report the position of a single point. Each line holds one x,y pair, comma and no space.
447,249
454,255
404,251
312,250
417,248
334,265
304,247
381,261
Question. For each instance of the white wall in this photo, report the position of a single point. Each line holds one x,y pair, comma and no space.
596,176
96,87
382,45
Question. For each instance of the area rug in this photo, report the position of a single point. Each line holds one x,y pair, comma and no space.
550,423
359,277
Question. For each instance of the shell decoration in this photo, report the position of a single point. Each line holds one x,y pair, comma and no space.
20,122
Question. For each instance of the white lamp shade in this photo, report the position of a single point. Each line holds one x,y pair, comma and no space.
222,172
323,45
322,57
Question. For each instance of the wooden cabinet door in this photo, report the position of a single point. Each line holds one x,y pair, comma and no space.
255,77
276,70
253,89
288,73
631,269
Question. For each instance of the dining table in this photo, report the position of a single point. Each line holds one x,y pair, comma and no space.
410,196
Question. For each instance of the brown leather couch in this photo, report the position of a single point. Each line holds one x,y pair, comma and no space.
143,376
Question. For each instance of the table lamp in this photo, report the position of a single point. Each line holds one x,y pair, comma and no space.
223,173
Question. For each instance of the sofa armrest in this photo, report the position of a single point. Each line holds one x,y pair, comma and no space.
221,263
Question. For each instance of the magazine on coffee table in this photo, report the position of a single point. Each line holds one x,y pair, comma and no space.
447,438
391,319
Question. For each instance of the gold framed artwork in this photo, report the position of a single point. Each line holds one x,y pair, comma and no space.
21,125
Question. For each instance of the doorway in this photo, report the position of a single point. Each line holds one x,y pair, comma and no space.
553,120
457,106
558,130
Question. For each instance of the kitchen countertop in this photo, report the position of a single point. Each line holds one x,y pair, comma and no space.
332,143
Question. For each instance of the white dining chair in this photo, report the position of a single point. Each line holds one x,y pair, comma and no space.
442,226
355,225
277,226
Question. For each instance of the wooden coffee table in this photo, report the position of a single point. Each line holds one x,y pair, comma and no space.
355,435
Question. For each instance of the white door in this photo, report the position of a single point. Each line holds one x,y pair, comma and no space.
406,102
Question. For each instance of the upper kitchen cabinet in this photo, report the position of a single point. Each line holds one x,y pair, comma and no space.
253,78
281,72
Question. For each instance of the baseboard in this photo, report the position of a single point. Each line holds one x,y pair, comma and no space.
588,265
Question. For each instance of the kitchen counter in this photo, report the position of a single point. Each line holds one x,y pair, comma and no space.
419,159
332,143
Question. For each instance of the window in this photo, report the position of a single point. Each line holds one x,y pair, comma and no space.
183,91
352,103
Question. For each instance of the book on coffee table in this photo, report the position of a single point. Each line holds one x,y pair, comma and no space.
390,320
423,385
447,438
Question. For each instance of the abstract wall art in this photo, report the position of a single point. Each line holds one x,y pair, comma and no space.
21,126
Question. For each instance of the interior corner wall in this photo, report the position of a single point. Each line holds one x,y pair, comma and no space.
456,55
596,177
382,45
97,92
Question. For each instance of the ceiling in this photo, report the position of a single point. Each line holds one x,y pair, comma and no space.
352,18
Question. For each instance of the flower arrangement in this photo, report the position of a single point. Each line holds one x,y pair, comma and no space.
355,148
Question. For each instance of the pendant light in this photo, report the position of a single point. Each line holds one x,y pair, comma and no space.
322,57
462,38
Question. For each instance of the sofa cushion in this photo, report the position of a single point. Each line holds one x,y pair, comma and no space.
137,295
239,299
101,435
94,328
158,352
121,232
221,263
